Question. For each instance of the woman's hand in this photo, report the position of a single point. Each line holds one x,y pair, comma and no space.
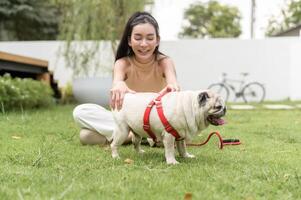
117,94
170,88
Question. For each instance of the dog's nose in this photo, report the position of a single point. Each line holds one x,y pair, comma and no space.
225,110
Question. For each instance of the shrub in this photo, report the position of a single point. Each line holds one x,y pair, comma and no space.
17,93
67,94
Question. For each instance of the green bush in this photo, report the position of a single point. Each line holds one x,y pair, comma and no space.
17,93
67,94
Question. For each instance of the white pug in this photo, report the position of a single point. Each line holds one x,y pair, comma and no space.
189,112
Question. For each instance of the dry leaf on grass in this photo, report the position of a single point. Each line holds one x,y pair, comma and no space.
16,137
128,161
188,196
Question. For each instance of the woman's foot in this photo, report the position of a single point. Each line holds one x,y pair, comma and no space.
90,137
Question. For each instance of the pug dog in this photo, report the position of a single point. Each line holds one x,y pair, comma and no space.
188,112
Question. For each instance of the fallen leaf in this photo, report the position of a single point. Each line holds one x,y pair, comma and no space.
188,196
16,137
128,161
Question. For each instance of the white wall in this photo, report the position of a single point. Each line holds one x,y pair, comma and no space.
295,71
276,62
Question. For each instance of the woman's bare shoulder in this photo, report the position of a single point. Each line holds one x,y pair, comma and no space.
164,60
122,63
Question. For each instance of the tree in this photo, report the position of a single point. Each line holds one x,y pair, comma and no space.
93,20
28,20
290,17
211,19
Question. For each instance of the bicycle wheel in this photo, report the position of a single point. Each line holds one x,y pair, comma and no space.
221,89
253,92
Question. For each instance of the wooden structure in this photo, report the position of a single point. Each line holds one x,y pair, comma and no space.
27,67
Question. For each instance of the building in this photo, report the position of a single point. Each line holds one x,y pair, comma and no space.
27,67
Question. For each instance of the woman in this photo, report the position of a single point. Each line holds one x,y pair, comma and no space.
139,67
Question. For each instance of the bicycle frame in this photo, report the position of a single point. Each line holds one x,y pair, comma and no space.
248,91
238,93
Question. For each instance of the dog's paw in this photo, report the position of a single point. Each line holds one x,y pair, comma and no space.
172,162
141,151
188,155
115,156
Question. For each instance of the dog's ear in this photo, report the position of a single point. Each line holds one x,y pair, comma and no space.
202,98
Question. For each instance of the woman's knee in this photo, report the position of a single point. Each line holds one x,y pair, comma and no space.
77,112
82,110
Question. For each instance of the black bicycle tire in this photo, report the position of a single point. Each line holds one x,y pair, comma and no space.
249,85
222,86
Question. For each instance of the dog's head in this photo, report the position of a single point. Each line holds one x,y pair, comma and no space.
213,107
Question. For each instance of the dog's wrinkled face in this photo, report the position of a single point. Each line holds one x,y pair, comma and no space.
214,107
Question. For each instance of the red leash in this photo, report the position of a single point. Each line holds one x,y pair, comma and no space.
222,142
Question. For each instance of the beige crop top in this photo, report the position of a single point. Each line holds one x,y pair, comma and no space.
148,77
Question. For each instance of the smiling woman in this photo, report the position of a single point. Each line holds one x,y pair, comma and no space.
143,42
139,67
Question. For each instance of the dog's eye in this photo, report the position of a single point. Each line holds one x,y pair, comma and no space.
218,107
202,98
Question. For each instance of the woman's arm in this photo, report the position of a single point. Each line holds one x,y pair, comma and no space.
170,74
119,87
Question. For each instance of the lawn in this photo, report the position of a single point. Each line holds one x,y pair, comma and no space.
41,158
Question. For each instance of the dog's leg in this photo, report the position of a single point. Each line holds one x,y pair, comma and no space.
119,136
181,146
169,147
136,139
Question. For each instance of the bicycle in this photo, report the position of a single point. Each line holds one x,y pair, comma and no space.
248,91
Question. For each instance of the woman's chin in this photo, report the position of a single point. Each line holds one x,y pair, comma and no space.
144,57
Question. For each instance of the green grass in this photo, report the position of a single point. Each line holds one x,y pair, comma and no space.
261,105
41,158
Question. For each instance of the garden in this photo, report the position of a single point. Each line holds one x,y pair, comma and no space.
42,158
40,153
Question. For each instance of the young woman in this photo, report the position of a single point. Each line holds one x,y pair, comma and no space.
139,67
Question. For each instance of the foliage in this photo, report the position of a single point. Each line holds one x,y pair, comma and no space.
67,94
17,93
28,20
211,19
290,17
93,20
42,158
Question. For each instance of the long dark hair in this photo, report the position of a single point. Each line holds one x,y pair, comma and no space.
137,18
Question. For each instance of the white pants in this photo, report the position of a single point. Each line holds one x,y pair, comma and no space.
95,118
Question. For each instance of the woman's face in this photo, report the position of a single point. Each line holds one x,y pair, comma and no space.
144,42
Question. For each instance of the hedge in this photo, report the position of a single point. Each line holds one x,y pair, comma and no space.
18,93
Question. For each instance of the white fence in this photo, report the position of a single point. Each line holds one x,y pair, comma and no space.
275,62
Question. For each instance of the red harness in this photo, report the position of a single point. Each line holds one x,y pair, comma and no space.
166,124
